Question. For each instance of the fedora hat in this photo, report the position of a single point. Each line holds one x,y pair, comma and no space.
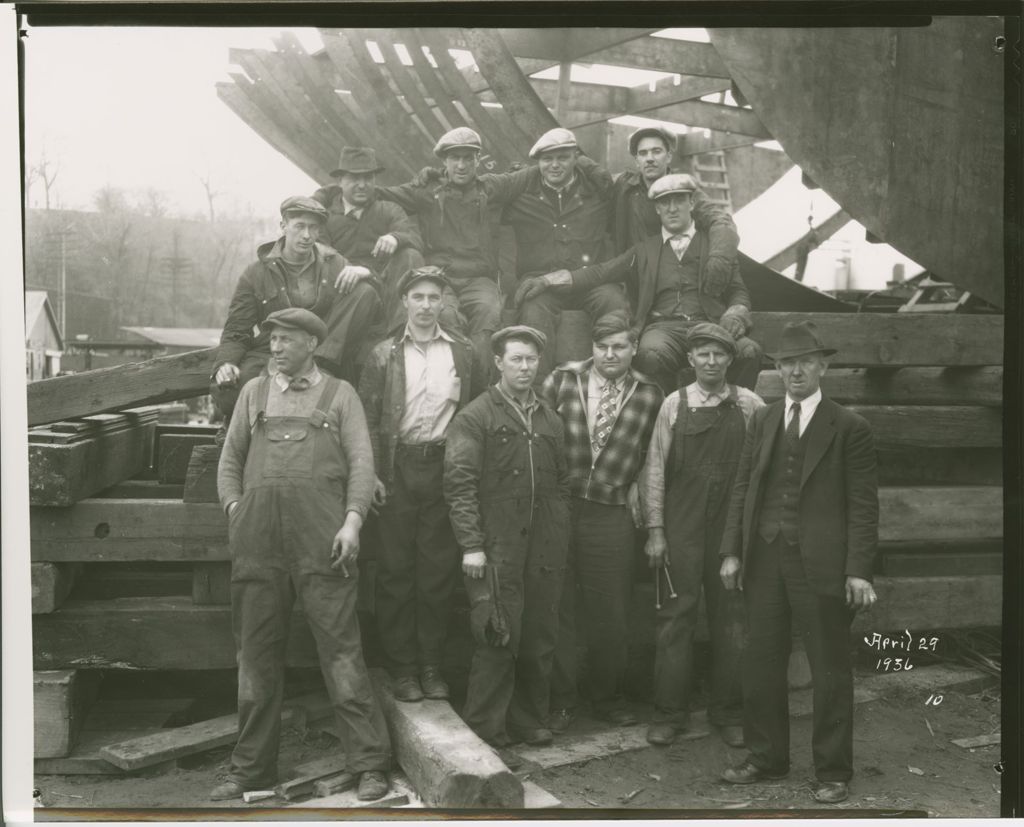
359,159
800,339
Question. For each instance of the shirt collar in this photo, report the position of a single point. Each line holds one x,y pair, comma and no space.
277,251
600,381
439,333
564,189
313,376
351,208
807,404
529,405
704,397
688,233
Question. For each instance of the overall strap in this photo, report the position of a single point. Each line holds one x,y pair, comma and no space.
676,453
262,394
319,416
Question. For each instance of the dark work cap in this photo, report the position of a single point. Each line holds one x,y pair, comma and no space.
296,318
299,204
710,332
498,337
667,137
427,273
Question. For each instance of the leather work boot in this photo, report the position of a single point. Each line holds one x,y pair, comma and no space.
226,791
619,717
373,784
831,792
661,734
749,773
407,688
559,720
533,737
732,735
434,686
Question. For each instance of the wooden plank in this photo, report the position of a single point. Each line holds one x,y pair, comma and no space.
443,758
715,116
174,451
85,758
64,474
105,581
940,513
825,230
576,749
302,785
663,54
924,603
993,739
941,426
60,700
136,753
108,530
903,466
896,339
51,584
928,563
138,383
904,386
211,584
143,489
336,784
639,100
697,143
405,79
201,475
149,633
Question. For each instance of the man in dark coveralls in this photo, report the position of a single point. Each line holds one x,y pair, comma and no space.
296,479
506,483
685,491
800,541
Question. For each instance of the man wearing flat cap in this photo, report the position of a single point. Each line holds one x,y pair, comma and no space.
670,289
296,480
561,223
800,542
412,385
296,271
506,483
685,491
458,211
377,237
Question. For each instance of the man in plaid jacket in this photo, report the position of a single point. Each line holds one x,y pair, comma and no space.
609,411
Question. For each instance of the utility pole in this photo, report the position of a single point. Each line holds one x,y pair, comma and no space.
173,265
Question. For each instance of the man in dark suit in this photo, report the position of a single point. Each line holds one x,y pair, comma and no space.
800,542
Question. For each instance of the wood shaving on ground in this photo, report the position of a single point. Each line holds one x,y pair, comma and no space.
915,770
653,775
591,803
928,724
630,796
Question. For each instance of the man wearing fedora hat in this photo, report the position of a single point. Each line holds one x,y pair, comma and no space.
685,490
296,479
668,278
412,385
296,271
506,483
374,235
800,542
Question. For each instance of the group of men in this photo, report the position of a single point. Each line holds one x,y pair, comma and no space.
481,455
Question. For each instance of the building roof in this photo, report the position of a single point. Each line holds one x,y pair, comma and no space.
179,336
37,302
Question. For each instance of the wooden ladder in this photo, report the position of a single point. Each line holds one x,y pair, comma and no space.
712,177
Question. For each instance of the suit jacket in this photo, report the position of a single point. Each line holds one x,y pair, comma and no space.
838,508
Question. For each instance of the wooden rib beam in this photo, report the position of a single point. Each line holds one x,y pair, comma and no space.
405,80
697,143
662,54
715,116
431,80
550,44
947,426
825,230
940,513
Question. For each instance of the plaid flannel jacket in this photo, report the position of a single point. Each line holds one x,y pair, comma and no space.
606,478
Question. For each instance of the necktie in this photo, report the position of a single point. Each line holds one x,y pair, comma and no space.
793,429
605,418
679,244
300,383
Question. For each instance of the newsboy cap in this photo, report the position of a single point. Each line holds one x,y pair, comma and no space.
297,318
299,204
800,339
677,182
517,330
667,136
710,332
357,159
462,137
557,138
426,273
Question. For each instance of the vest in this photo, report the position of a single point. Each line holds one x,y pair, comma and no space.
779,508
677,292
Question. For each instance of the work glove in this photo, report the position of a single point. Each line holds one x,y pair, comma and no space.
736,320
535,285
718,275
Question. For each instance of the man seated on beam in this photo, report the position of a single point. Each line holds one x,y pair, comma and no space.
370,232
668,278
296,480
296,271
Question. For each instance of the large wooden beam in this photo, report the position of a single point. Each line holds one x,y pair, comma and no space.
924,603
166,379
940,513
662,54
444,759
550,44
697,143
896,339
715,116
910,466
405,79
51,584
941,426
825,230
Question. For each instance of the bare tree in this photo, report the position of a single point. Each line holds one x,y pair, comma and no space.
43,170
153,203
211,193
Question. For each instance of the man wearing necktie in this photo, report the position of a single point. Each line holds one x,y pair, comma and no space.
671,289
800,543
296,480
608,410
685,490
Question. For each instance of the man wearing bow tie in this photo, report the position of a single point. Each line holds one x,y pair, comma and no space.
800,542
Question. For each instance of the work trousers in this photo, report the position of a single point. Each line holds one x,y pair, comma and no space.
476,312
350,325
261,609
776,592
661,354
544,311
418,563
600,575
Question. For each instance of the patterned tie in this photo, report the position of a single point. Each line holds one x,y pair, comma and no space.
793,429
605,418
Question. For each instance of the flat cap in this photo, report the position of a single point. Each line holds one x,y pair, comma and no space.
427,273
710,332
557,138
297,318
666,135
302,204
671,184
462,137
499,336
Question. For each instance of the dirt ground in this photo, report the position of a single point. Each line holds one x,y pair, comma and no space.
904,760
